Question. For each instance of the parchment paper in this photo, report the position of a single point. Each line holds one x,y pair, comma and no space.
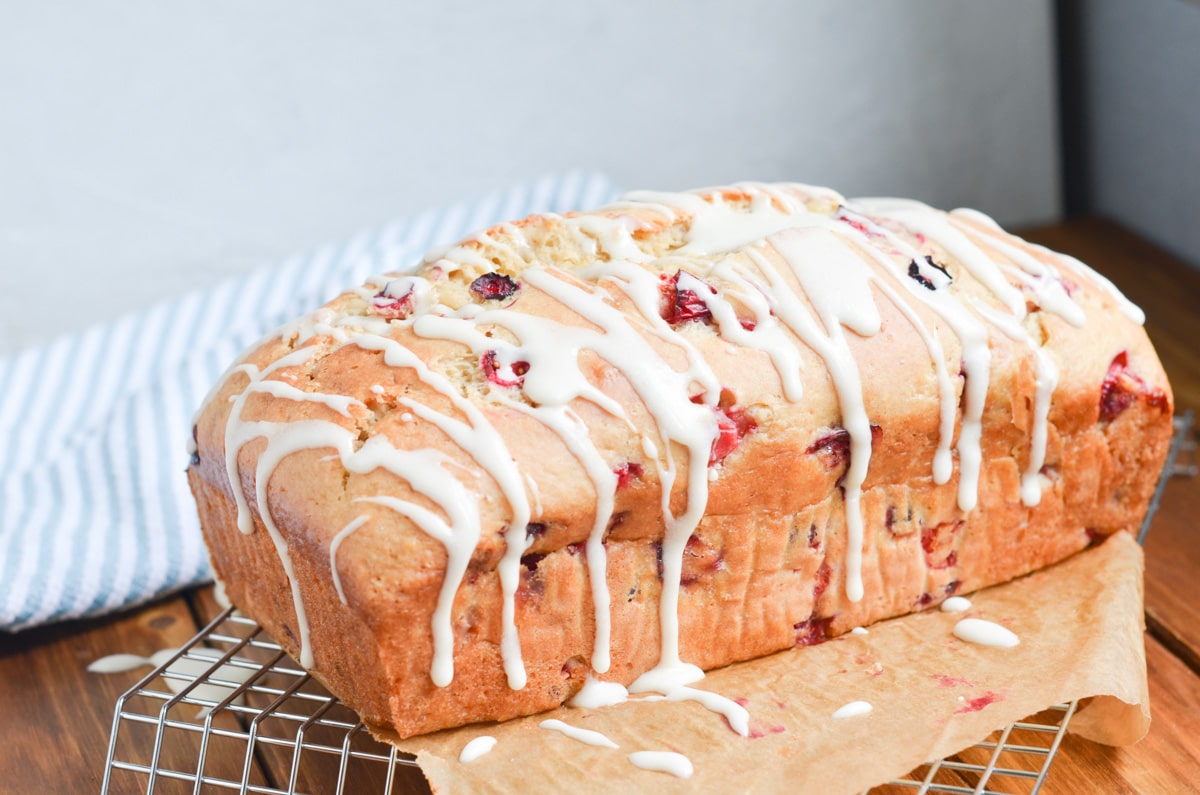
1080,624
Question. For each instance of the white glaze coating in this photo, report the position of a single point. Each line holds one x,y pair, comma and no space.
985,633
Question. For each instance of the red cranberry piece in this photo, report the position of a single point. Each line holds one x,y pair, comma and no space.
733,423
938,544
979,702
679,304
812,631
822,583
1122,387
393,307
530,562
915,273
813,541
749,325
494,286
513,375
699,559
531,583
730,434
834,448
627,473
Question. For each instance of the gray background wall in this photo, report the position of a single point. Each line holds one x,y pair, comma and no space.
1133,140
147,148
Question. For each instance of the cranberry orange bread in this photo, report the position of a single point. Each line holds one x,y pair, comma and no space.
675,433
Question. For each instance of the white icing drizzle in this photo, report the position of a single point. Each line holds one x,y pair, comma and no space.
852,710
1046,379
859,631
477,748
1036,276
582,735
985,633
341,536
935,225
768,335
663,762
574,434
481,440
956,604
976,359
734,713
841,299
597,693
664,391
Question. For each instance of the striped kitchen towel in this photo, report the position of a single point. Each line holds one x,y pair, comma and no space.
95,511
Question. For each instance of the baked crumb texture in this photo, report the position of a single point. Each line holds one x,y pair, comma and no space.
678,432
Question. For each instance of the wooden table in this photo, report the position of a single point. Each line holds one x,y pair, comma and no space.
55,716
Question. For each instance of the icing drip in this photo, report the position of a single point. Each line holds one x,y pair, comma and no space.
665,393
985,633
477,748
852,710
734,713
956,604
582,735
925,220
663,762
341,536
837,283
483,443
596,693
976,357
1046,379
574,434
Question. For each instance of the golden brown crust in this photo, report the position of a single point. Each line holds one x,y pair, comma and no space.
764,569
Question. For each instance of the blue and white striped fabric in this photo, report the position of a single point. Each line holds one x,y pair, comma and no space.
95,511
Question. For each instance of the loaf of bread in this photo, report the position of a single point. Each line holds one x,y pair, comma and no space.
681,431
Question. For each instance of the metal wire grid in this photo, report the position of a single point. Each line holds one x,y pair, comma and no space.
1021,753
233,694
232,688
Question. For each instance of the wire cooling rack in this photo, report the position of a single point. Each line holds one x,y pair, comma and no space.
231,711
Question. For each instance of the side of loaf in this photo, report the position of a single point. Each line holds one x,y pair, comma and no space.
678,432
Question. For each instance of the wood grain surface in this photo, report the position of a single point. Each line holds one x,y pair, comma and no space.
54,731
